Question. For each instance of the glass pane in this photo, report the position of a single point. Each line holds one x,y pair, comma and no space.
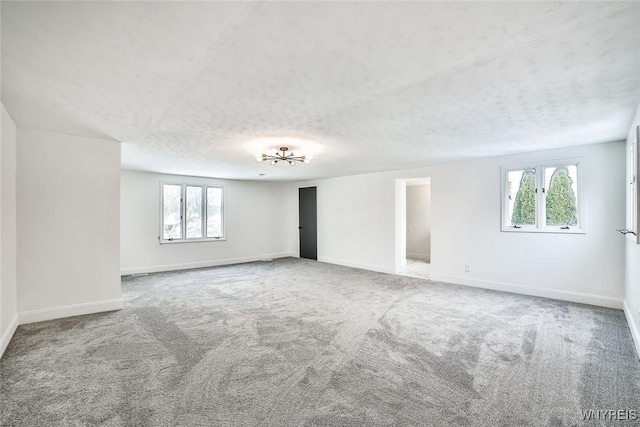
631,196
521,187
214,212
171,225
194,212
562,187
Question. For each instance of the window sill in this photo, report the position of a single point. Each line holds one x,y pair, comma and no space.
171,242
543,230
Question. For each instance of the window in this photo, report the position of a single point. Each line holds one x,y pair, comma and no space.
633,190
542,198
191,213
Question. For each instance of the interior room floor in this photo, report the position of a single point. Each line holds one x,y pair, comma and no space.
296,342
417,268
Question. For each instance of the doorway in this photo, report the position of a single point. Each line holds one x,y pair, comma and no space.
413,256
307,222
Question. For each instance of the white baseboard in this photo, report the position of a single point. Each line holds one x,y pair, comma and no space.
8,334
68,310
362,266
632,326
202,264
580,298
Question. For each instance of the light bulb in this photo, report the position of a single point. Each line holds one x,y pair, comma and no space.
306,161
292,163
259,159
273,162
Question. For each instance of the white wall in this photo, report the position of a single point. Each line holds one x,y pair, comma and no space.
257,216
356,221
8,284
419,221
68,225
357,216
632,269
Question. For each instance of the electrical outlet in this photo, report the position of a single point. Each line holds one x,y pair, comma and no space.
467,268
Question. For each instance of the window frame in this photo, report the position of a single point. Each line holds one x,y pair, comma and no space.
541,197
203,213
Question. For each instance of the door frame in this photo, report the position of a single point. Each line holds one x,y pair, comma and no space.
401,220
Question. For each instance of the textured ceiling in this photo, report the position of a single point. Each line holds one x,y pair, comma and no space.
190,88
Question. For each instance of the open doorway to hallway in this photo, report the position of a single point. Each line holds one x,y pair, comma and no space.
415,250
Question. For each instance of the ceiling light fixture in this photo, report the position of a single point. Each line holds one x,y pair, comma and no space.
282,156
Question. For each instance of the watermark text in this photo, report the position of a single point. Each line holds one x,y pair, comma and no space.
610,415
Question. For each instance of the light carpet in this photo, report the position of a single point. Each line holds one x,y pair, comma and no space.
295,342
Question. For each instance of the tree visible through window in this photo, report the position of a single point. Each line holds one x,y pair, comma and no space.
524,207
544,197
561,198
171,212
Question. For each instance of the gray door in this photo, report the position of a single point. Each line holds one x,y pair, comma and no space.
307,217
